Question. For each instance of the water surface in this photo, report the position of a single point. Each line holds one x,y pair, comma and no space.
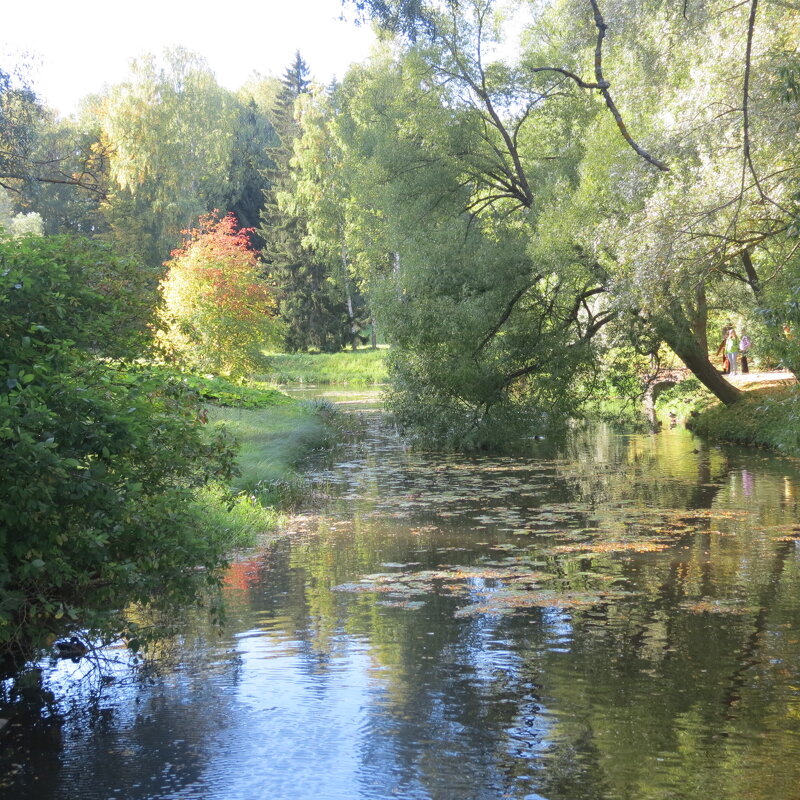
614,617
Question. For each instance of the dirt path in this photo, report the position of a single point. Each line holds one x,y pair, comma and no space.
749,379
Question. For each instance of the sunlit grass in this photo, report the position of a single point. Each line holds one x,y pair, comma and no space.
273,442
363,367
239,521
274,433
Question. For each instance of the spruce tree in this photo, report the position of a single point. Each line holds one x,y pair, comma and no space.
310,302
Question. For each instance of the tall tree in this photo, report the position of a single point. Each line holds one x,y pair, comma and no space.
323,195
310,301
254,136
669,168
217,313
485,330
40,155
172,130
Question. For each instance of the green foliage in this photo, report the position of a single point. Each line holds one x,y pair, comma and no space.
768,417
217,390
64,288
311,300
779,315
236,521
218,314
20,114
643,223
685,399
99,463
180,146
254,136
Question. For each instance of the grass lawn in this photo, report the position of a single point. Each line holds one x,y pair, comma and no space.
363,367
274,433
273,440
767,416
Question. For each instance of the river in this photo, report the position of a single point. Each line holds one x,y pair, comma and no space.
615,617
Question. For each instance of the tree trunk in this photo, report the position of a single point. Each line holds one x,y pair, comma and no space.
707,374
683,328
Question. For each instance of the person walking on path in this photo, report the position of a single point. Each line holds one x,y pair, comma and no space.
744,348
732,349
721,349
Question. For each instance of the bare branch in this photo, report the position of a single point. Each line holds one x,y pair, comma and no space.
748,157
604,85
572,76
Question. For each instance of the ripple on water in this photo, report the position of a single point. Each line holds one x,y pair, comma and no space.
620,620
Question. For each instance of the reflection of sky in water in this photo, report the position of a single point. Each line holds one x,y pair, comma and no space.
559,626
687,673
301,731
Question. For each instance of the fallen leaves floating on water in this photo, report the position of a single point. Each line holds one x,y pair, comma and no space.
524,546
508,602
706,605
641,546
500,589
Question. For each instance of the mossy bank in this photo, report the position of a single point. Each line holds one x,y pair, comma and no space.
768,417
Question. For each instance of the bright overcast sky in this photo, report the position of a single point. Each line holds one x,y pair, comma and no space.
78,46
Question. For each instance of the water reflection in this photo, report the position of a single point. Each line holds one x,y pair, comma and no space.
614,617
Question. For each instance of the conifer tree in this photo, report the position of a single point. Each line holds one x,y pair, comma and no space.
310,302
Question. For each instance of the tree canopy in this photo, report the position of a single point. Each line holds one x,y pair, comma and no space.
535,202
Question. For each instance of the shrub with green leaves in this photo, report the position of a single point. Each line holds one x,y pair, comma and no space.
218,314
99,463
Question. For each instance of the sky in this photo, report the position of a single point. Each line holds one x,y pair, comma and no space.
75,48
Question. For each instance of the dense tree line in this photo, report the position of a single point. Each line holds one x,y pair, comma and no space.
150,156
528,221
626,180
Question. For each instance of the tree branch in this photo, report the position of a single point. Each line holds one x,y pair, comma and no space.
604,86
495,329
572,76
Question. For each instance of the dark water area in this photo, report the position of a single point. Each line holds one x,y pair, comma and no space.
615,617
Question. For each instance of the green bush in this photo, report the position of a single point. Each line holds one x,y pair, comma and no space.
99,462
62,288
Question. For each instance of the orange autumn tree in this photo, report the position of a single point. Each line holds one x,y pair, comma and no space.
217,313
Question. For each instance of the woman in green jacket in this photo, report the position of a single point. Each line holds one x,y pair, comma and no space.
732,349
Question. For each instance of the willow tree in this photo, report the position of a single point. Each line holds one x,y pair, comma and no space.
172,130
712,230
486,331
684,124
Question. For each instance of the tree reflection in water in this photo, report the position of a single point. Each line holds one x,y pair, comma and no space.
615,617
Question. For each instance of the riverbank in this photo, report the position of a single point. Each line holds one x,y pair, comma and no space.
767,415
274,434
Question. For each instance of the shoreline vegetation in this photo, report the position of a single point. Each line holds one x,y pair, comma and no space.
767,416
259,435
275,433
